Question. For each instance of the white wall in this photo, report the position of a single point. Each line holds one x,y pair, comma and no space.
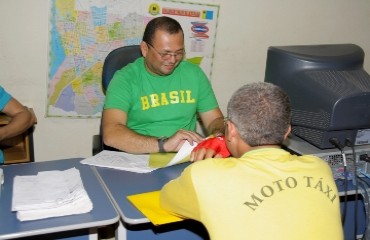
246,29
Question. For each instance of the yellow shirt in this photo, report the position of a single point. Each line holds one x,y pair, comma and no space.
266,194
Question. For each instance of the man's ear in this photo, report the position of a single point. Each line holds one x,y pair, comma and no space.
288,132
144,48
232,131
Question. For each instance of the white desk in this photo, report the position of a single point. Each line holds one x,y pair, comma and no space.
66,227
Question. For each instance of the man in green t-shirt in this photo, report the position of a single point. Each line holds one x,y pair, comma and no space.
152,104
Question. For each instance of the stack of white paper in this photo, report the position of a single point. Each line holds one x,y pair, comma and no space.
50,194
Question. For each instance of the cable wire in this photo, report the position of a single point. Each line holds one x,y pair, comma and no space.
350,144
366,197
336,143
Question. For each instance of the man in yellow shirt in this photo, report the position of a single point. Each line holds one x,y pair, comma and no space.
263,191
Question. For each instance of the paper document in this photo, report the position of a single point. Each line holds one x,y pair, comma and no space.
139,163
184,152
50,194
149,205
121,161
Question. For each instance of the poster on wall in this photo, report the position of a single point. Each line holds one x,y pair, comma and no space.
83,32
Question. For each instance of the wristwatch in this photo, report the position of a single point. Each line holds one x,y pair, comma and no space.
161,142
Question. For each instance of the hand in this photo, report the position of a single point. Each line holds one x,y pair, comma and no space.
211,147
174,143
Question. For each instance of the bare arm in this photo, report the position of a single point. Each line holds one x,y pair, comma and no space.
213,121
116,134
21,119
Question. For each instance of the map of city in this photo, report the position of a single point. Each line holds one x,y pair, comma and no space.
83,32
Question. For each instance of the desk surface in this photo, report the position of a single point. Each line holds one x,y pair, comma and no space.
121,184
103,212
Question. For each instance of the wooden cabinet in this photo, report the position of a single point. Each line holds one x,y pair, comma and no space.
18,149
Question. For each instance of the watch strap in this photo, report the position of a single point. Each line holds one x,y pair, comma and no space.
161,142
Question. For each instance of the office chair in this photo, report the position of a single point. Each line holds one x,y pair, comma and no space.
115,60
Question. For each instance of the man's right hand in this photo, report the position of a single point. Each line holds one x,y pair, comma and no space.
175,142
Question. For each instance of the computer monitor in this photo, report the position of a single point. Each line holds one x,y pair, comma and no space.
329,91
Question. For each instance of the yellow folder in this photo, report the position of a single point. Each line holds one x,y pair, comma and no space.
148,204
160,160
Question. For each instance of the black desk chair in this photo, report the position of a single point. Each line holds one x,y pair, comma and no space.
115,60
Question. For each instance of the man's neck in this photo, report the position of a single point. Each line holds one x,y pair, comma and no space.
246,148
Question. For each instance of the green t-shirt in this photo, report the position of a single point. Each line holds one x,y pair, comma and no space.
160,105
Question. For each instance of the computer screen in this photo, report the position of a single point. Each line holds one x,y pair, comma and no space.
329,91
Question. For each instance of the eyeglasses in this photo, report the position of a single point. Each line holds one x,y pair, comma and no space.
226,119
167,55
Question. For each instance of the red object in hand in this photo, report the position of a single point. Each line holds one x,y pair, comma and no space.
217,144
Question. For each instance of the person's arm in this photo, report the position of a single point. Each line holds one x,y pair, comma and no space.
178,196
117,135
21,119
214,122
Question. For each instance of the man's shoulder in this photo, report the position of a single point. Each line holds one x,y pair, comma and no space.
316,162
313,158
135,66
189,69
213,165
130,72
190,65
4,97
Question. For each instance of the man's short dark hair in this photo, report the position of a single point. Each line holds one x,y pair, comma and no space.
164,23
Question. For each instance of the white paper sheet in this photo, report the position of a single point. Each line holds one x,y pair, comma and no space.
184,151
120,160
133,162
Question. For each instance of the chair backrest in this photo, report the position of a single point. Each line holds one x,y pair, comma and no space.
117,59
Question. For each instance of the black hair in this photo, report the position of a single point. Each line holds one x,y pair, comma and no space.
164,23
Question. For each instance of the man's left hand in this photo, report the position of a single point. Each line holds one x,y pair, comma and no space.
210,147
